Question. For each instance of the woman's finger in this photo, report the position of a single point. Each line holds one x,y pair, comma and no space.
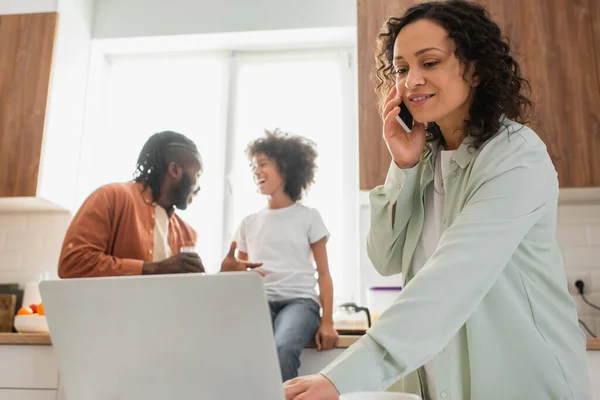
292,389
395,102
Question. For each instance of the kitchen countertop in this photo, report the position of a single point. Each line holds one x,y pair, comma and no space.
593,344
25,338
344,342
42,338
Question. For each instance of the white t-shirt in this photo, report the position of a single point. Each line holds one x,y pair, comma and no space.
430,236
162,250
281,239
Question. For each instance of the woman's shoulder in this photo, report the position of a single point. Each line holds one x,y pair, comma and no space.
514,146
515,136
514,143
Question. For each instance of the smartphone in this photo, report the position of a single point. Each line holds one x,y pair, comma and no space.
405,118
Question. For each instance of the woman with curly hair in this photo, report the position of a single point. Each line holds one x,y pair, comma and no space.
468,216
287,237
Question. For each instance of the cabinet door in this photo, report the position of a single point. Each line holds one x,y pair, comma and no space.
555,42
25,394
26,47
594,372
28,367
373,155
558,45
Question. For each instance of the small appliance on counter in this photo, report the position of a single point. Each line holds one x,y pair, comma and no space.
351,319
379,298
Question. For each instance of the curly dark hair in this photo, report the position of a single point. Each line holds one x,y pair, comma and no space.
295,158
158,151
502,89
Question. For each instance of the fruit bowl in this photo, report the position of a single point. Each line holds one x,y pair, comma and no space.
31,324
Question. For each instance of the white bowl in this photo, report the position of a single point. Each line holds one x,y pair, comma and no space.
31,324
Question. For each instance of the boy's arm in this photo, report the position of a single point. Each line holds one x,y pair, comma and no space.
327,336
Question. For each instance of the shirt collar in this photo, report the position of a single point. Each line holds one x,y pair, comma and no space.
464,154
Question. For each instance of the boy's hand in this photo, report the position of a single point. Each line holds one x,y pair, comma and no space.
233,264
326,337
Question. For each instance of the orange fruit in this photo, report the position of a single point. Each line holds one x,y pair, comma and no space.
40,309
25,311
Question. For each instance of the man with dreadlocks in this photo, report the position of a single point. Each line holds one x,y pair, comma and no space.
131,228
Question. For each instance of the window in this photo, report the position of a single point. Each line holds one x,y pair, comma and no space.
223,101
301,94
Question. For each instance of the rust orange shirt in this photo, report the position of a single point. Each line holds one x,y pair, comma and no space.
112,234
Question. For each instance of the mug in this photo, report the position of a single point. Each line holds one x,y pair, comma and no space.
379,396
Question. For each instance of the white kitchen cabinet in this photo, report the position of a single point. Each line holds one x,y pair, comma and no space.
26,394
28,367
313,361
594,370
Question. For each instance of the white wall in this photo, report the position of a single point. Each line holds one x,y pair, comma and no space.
579,239
27,6
130,18
66,103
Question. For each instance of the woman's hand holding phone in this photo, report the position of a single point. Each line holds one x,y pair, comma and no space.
405,148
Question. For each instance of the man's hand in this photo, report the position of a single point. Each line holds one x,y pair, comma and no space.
177,264
233,264
326,337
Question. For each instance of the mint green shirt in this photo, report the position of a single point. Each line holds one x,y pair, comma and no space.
491,306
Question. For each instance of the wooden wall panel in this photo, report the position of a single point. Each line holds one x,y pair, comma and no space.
26,48
595,140
555,45
373,155
558,45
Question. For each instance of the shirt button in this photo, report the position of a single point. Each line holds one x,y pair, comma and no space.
454,173
151,231
398,186
445,219
70,245
150,251
443,350
443,395
153,216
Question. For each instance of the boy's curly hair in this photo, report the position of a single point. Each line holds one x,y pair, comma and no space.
502,89
294,155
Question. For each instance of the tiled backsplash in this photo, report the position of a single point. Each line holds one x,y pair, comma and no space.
579,239
30,244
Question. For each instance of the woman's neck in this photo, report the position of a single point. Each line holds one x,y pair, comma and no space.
453,137
453,125
453,131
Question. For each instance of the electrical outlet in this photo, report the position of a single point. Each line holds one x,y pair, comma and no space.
586,277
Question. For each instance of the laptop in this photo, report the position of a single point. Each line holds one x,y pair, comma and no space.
200,337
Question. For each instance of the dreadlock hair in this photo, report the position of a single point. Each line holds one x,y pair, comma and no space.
161,149
295,158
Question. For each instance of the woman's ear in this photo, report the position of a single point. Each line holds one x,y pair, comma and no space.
471,75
